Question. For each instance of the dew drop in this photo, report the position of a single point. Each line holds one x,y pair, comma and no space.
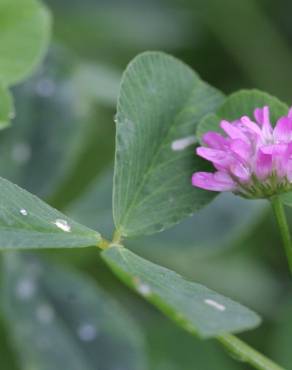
183,143
87,332
142,288
216,305
25,289
23,212
63,225
45,314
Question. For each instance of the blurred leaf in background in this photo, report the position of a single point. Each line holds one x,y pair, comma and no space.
24,34
59,319
54,127
25,29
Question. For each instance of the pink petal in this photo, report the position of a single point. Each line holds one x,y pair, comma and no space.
280,165
283,130
280,155
289,170
264,165
290,113
262,116
259,115
289,149
220,167
216,156
233,131
241,148
267,128
215,140
218,181
274,149
241,172
268,149
254,128
280,159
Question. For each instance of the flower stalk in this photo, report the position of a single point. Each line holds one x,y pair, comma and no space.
283,226
244,353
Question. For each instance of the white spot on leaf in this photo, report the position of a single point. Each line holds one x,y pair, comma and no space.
216,305
183,143
25,289
63,225
23,212
142,288
87,332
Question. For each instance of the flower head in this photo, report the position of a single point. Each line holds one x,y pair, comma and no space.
253,159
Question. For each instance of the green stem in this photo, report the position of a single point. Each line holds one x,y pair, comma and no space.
103,244
117,237
283,226
243,352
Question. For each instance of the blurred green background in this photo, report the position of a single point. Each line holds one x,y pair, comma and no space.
61,147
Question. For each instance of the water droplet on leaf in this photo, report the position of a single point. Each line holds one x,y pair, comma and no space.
181,144
63,225
142,288
216,305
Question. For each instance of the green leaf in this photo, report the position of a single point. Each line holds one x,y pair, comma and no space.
196,308
209,123
231,266
27,222
239,104
212,229
6,107
59,319
24,37
160,103
244,102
